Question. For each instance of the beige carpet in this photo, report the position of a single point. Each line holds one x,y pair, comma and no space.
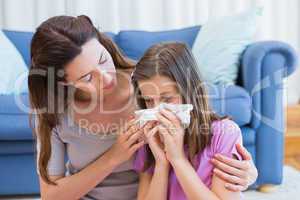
289,190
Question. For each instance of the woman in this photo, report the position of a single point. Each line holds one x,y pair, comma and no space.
80,90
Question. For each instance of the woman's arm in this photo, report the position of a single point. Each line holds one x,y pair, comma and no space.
195,189
238,174
79,184
154,186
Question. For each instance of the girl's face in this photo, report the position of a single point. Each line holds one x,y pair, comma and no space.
92,71
159,89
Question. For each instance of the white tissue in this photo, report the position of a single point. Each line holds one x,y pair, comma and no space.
182,111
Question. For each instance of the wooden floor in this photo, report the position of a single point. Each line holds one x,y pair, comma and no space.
292,151
292,137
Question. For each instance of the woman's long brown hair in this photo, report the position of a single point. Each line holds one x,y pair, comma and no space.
176,61
56,42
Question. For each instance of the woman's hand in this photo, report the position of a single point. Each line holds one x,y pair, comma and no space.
173,134
238,174
127,143
155,144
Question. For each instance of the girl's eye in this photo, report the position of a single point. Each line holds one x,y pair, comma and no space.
167,99
147,100
87,78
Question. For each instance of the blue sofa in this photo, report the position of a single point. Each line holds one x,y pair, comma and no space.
255,103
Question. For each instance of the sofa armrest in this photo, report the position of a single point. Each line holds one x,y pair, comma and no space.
264,66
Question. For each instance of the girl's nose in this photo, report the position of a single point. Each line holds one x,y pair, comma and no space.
156,102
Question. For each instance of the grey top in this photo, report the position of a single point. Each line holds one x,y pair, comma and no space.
80,147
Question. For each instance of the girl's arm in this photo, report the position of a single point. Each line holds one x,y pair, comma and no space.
79,184
195,189
154,186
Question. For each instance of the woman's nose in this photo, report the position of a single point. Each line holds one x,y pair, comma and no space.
106,78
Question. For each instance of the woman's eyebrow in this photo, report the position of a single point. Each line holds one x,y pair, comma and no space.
100,59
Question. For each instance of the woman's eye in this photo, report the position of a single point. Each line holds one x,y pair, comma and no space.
87,78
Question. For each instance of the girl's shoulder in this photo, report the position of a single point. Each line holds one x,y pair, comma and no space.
224,126
225,135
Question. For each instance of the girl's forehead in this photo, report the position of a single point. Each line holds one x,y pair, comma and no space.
157,85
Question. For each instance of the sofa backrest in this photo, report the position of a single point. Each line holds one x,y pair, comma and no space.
22,42
132,43
135,43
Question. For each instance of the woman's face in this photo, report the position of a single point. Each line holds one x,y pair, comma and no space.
92,72
159,89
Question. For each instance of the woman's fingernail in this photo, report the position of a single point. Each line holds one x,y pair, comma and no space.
217,155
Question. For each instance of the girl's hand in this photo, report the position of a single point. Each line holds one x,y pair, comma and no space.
238,174
155,144
127,143
173,134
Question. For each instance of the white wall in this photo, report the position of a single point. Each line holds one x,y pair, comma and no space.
281,19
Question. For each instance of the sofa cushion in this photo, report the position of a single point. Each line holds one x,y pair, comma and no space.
15,127
14,118
14,104
135,43
17,147
248,135
232,101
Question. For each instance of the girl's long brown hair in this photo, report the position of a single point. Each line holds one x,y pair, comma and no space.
56,42
176,61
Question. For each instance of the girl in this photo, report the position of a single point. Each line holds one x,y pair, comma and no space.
177,165
80,88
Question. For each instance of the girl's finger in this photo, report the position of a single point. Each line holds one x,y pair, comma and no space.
232,162
166,122
228,169
148,126
243,152
165,133
171,117
230,178
151,132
